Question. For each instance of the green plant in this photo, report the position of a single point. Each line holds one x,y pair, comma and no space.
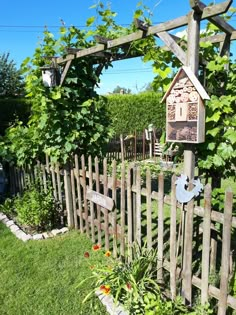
128,282
8,207
35,208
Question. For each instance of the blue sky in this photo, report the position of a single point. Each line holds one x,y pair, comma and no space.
22,24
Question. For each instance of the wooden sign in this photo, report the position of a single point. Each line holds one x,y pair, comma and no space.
99,199
185,110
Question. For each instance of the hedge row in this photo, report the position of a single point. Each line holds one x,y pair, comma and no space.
135,112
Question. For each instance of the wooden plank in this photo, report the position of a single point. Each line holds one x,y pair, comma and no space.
226,241
90,170
173,239
85,194
149,209
72,177
100,199
54,186
97,179
173,46
79,195
105,191
130,216
160,240
122,211
70,217
138,206
206,246
125,39
65,70
211,12
114,223
58,176
168,26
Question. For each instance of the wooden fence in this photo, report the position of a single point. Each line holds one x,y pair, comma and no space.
117,211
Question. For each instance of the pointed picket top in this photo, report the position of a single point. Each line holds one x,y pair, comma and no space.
191,76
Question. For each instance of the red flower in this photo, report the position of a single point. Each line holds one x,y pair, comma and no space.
86,254
128,286
106,289
96,247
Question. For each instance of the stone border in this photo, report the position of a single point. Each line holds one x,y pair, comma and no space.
108,302
15,229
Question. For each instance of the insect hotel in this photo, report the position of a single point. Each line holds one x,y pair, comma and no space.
185,109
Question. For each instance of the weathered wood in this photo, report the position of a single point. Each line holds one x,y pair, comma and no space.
79,195
138,206
125,39
173,46
60,199
211,13
54,186
122,147
187,267
64,72
130,216
160,240
105,191
226,241
72,177
114,221
149,209
90,170
122,211
173,239
206,244
100,199
68,197
85,194
97,179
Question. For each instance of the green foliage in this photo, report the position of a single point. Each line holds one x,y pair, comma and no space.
10,78
34,209
135,112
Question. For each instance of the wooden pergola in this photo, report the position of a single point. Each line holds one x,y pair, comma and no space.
189,58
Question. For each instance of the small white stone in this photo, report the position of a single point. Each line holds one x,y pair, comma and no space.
45,235
38,237
14,228
9,223
26,238
56,232
5,220
64,230
2,216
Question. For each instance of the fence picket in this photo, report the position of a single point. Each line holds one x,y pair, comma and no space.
226,241
149,209
122,211
138,206
85,194
72,177
206,244
79,195
90,170
160,239
130,215
114,213
173,239
97,178
105,191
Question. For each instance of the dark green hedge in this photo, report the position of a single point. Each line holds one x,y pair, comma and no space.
135,112
11,109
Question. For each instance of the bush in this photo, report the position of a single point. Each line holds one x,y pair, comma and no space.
136,112
35,208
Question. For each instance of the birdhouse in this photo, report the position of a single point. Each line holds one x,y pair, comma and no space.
185,109
50,76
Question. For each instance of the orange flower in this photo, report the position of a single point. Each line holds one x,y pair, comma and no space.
106,289
107,253
86,254
96,247
92,267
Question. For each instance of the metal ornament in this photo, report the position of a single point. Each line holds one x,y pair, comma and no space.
183,195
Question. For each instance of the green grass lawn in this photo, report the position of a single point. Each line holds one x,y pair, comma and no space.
41,277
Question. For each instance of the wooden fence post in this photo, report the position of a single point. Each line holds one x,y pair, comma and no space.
173,246
225,260
160,240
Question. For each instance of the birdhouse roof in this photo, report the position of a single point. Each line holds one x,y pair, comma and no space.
191,76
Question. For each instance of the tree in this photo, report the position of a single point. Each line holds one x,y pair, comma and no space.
121,90
11,82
